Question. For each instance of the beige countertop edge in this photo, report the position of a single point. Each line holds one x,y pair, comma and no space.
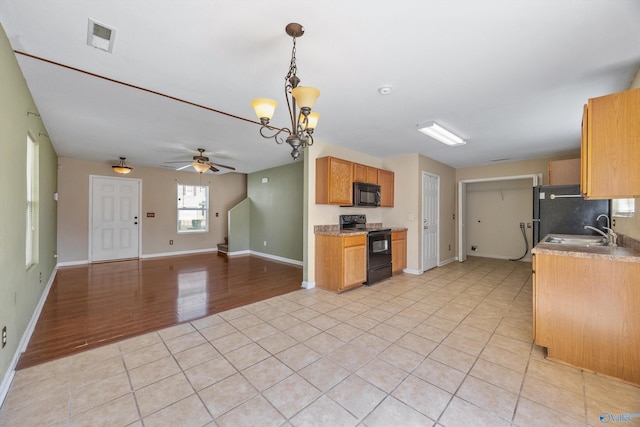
354,233
613,253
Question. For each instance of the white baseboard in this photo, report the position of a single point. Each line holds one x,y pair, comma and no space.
447,261
26,336
412,271
277,258
72,263
191,252
308,285
238,253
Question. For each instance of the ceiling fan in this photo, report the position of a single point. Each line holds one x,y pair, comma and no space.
202,164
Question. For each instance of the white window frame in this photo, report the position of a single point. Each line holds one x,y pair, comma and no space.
180,194
625,208
32,205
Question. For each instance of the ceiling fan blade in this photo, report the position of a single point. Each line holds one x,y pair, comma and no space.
183,167
224,166
180,161
213,168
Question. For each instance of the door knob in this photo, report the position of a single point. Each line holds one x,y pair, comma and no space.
135,223
426,227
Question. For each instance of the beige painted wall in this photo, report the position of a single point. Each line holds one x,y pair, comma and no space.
158,196
495,210
21,288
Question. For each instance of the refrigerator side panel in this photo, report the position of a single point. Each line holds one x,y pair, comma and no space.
536,215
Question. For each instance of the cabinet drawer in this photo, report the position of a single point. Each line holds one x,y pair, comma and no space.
359,240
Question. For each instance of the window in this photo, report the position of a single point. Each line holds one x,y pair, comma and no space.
193,208
623,207
31,252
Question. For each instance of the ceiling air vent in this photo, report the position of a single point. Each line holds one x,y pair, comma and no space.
100,36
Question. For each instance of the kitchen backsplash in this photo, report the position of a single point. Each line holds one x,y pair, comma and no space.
629,242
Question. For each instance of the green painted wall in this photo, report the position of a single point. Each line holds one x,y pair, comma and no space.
239,222
22,288
277,210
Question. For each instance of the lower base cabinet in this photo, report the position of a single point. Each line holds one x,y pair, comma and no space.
587,313
398,251
341,261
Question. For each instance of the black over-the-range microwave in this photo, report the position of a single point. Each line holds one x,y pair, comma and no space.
366,195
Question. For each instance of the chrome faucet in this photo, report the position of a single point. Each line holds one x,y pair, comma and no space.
608,221
611,238
588,227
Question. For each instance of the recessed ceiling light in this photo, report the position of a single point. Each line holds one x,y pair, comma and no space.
440,134
100,36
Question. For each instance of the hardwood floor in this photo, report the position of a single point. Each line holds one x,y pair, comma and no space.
97,304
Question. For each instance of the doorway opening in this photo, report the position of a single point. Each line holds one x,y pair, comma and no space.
492,213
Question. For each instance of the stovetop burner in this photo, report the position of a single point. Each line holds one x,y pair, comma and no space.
357,223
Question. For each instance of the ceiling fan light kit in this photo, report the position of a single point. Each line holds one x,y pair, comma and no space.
201,163
298,97
121,167
200,167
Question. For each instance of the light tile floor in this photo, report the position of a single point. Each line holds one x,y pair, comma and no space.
451,347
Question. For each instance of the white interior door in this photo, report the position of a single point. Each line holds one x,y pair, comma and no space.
114,218
462,220
430,198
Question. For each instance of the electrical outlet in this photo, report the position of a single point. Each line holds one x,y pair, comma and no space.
4,336
171,242
265,243
474,248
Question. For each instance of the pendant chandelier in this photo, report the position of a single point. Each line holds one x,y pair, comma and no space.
298,97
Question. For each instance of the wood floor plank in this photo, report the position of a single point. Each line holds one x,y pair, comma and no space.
92,305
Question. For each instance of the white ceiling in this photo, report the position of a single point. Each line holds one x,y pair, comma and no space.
510,76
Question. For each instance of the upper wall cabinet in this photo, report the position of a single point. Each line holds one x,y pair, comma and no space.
335,178
334,181
364,173
610,151
385,181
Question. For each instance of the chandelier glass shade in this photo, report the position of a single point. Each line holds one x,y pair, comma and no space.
200,167
121,167
301,98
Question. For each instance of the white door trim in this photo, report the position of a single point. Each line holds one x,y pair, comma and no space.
437,219
90,231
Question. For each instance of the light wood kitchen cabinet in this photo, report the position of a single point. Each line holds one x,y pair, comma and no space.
385,181
341,261
364,173
398,251
564,172
610,149
334,181
586,312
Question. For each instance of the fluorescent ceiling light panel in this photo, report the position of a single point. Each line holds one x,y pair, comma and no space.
100,36
440,134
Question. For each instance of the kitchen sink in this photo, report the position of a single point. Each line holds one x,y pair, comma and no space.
577,240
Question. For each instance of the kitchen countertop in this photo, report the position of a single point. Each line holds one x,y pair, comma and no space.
334,229
614,253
